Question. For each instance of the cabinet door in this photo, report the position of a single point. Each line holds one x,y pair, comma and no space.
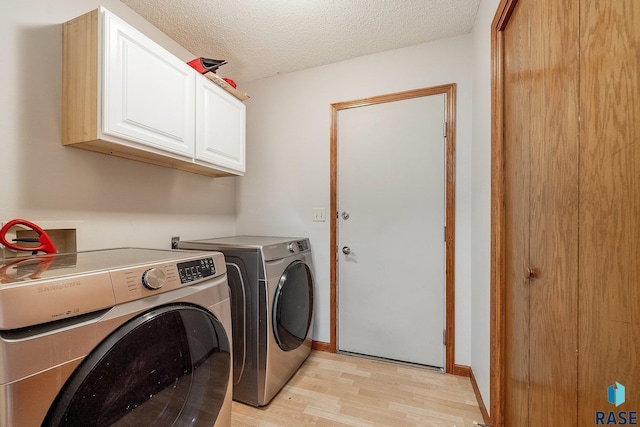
149,95
220,127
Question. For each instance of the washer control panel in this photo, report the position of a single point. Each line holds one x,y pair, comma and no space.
153,278
41,289
137,282
196,270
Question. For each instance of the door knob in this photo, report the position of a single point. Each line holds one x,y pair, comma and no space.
345,215
346,250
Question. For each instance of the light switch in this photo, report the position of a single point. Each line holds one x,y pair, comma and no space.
319,215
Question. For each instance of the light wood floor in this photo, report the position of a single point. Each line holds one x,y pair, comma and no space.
341,390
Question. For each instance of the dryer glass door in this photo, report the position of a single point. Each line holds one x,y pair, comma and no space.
168,366
293,306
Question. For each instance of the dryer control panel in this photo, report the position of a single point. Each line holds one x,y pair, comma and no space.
280,250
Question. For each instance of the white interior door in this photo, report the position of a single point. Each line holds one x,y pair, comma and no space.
391,238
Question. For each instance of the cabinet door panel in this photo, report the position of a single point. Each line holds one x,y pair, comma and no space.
220,130
149,95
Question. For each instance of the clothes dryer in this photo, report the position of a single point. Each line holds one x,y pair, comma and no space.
271,283
115,337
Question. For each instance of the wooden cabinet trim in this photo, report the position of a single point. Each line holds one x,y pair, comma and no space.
80,79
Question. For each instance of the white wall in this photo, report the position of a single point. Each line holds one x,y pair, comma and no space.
288,123
115,202
481,198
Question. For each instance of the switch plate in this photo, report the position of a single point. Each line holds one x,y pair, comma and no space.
319,215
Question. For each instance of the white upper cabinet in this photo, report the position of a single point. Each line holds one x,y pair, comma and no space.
125,95
149,94
220,127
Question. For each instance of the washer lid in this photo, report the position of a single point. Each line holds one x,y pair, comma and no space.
272,248
53,266
45,288
242,241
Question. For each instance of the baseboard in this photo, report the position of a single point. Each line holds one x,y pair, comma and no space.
462,370
466,371
321,346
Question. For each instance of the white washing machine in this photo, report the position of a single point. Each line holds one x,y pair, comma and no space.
122,337
271,285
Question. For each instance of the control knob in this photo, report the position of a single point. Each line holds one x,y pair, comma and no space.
291,247
153,278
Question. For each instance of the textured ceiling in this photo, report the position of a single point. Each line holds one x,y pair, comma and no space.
262,38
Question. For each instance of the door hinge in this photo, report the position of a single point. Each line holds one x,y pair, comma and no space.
445,233
444,337
444,129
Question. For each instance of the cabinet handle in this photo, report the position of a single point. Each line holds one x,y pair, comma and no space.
531,273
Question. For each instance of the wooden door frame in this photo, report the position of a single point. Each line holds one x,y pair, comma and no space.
497,287
450,116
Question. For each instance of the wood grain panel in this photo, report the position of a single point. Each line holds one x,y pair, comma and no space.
516,128
609,318
80,79
554,212
535,48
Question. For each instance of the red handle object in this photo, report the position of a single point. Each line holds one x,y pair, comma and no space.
46,245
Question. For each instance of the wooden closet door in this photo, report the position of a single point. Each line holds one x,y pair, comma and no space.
609,319
541,213
517,92
554,213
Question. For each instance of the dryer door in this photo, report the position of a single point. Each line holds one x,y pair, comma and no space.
293,306
167,366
